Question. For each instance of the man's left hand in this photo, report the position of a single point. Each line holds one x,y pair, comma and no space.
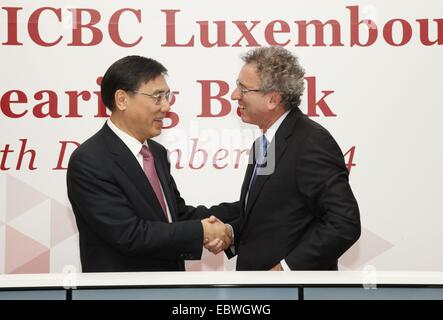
277,267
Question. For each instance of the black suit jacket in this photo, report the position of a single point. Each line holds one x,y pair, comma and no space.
120,221
305,211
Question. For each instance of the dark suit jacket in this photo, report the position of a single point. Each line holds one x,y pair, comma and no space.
120,221
305,211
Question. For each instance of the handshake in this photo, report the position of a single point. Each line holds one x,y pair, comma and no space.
217,236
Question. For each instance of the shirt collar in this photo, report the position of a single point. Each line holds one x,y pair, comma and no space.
270,133
132,143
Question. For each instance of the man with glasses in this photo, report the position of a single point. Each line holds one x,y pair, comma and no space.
297,209
129,213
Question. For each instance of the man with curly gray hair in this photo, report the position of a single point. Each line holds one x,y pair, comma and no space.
297,209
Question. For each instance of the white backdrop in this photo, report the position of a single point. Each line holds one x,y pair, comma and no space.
386,98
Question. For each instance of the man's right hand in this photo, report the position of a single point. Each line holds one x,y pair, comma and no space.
217,236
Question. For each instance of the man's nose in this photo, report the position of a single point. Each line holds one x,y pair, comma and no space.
166,106
236,94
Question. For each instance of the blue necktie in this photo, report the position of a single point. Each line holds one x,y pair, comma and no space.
259,163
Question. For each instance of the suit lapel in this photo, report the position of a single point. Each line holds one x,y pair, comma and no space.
261,179
275,153
162,176
247,178
130,166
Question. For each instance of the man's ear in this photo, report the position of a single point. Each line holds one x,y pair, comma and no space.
121,98
274,100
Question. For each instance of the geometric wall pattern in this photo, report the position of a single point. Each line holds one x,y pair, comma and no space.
32,228
368,247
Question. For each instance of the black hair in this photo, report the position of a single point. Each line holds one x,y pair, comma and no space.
128,74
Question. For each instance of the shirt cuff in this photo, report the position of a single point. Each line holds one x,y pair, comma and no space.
232,247
285,265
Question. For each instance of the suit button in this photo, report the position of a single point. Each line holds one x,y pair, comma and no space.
242,242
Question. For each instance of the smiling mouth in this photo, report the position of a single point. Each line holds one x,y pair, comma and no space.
159,118
158,122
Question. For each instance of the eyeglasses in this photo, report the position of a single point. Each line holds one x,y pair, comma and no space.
158,97
244,90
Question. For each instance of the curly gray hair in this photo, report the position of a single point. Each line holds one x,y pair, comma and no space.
280,71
